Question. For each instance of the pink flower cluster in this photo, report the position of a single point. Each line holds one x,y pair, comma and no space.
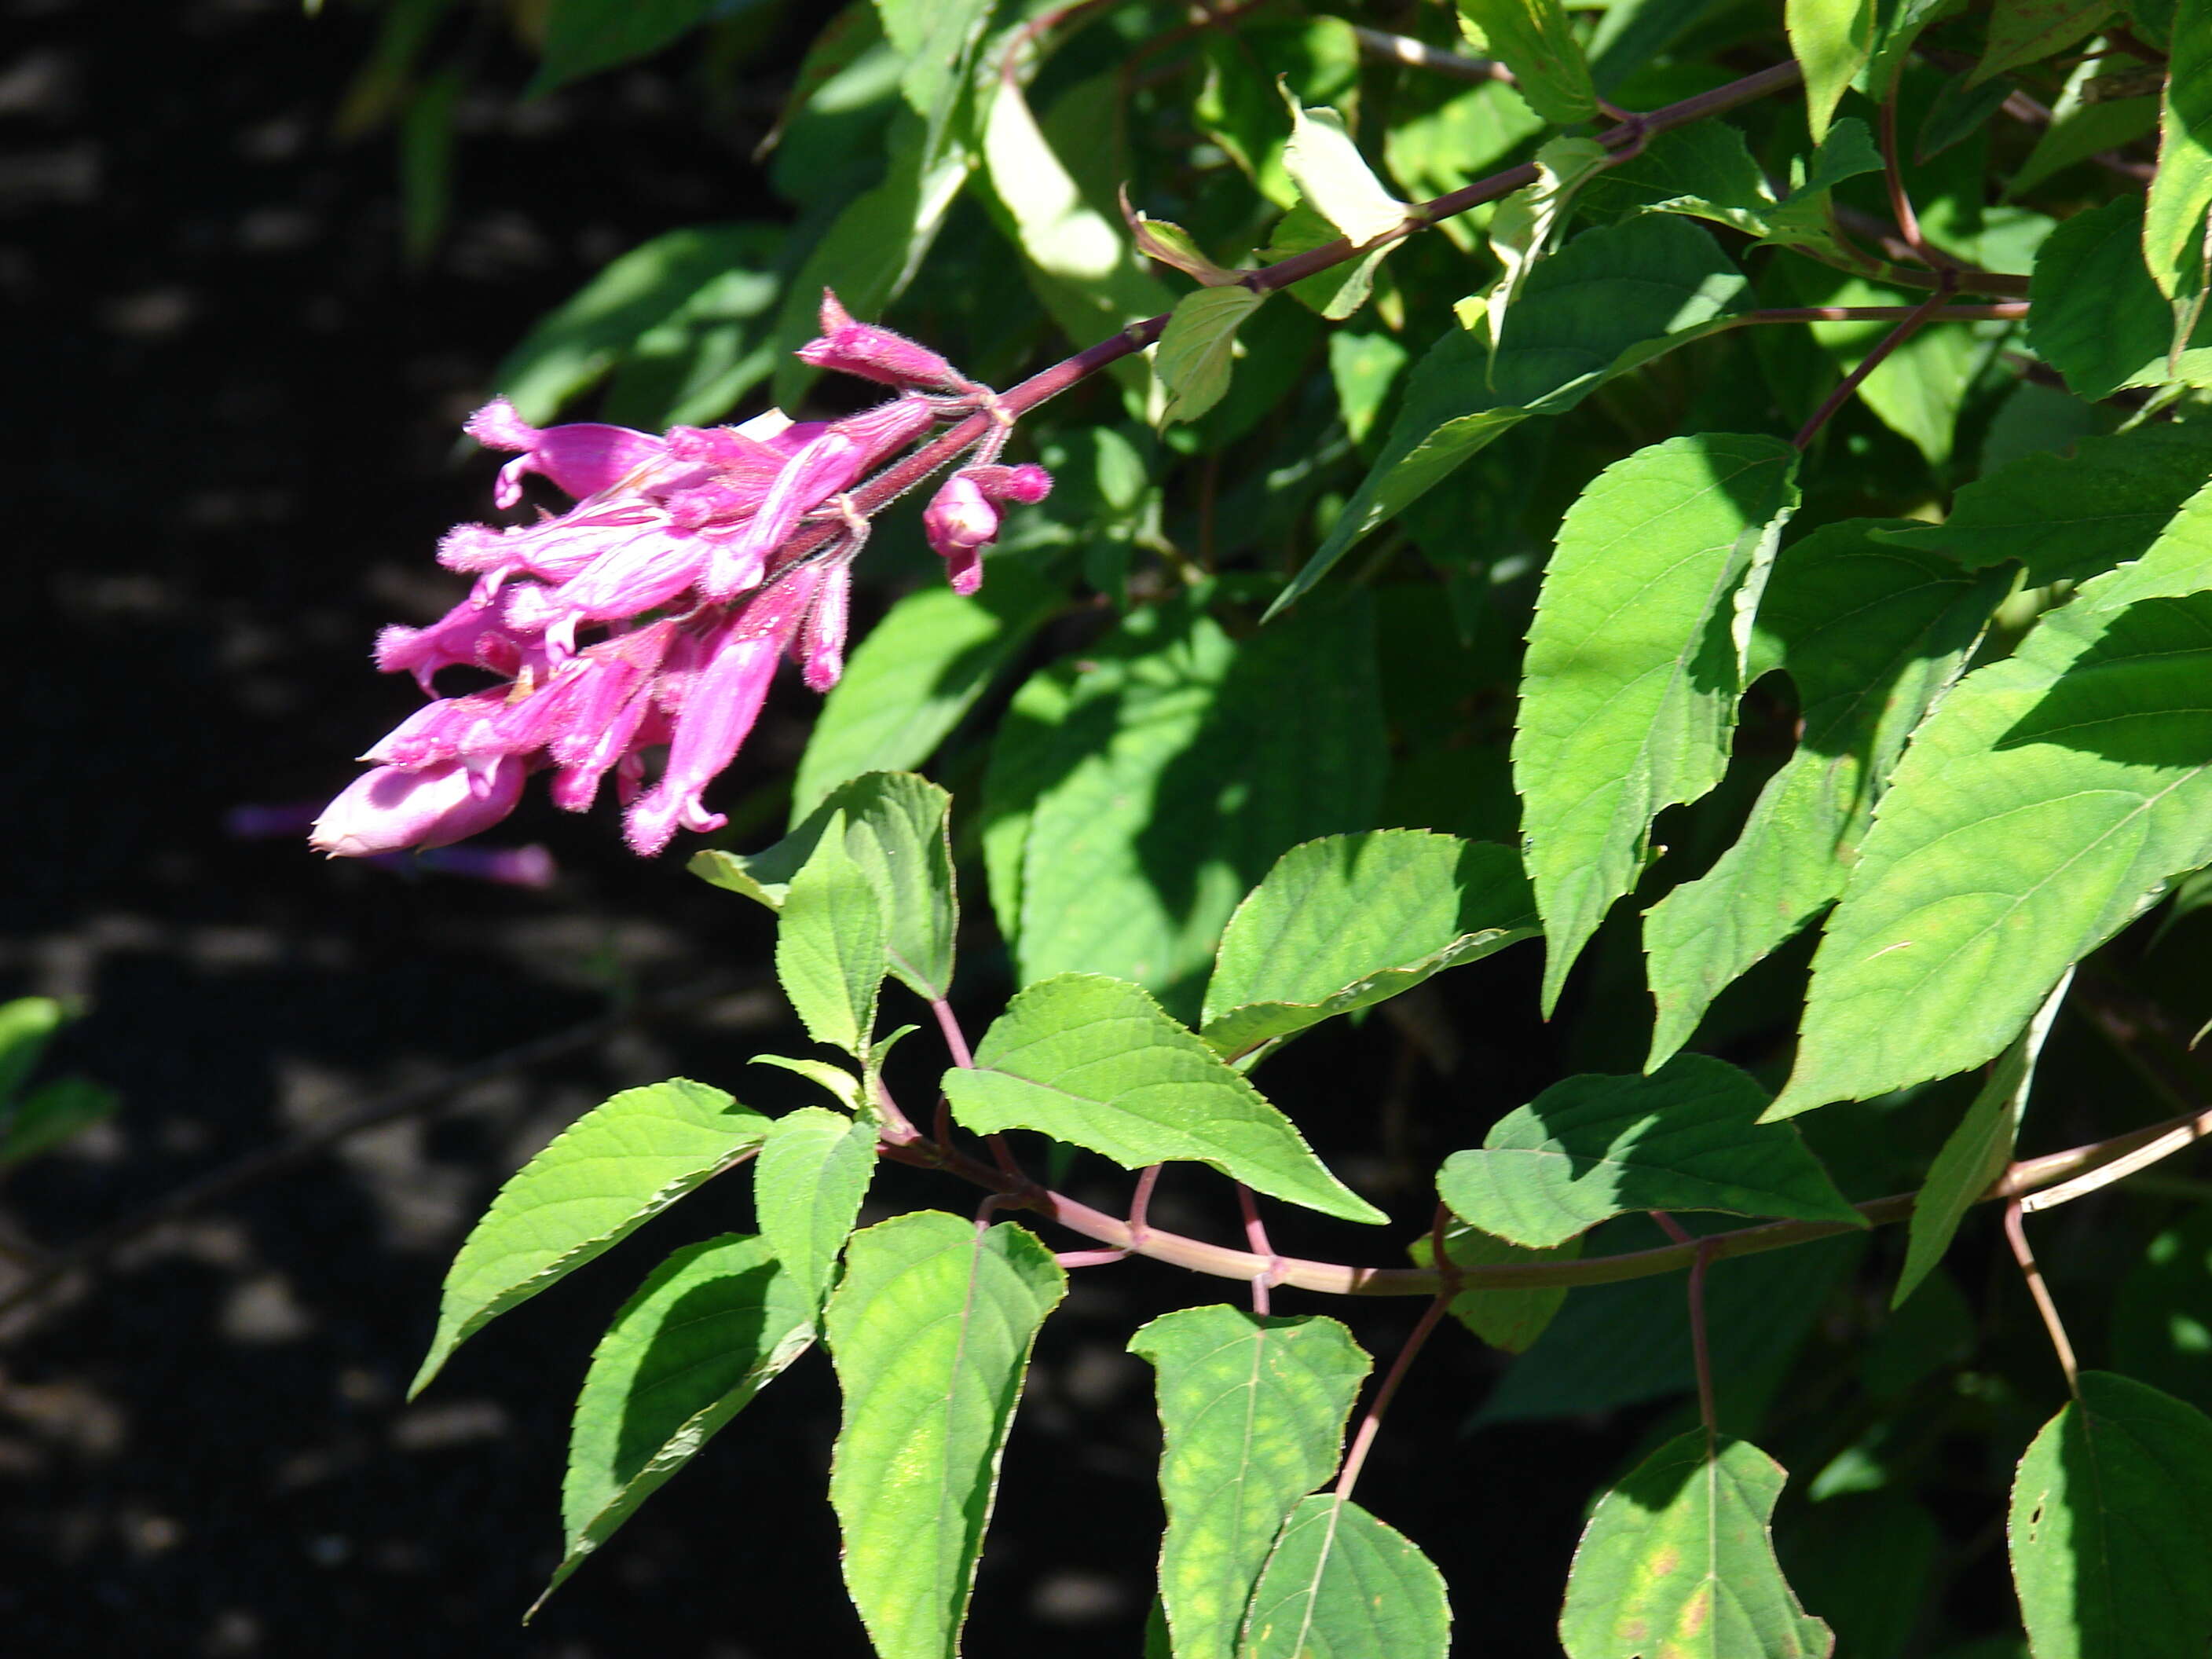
651,615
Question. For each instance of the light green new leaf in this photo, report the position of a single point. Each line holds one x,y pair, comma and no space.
2181,192
1523,225
1136,796
829,948
1687,1138
585,337
892,827
1833,40
1510,1320
1611,300
716,1324
2111,1525
1872,634
812,1172
1094,1062
1535,40
1976,1151
602,1178
2067,518
931,1330
1677,1563
1331,174
1349,921
1198,347
1635,663
27,1026
918,673
2095,315
1342,1585
1252,1415
836,1081
2044,804
2028,31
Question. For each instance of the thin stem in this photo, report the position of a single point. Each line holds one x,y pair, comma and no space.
2120,1169
1700,1347
1140,1204
956,1041
2016,1235
1372,1425
1900,202
1874,360
2002,311
1402,49
1255,1234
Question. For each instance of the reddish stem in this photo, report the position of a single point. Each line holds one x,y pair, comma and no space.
2016,1235
1372,1424
1874,360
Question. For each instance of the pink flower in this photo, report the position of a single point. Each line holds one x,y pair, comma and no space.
962,518
583,457
876,354
389,808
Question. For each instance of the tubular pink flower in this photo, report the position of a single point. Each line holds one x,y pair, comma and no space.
469,634
583,457
450,729
391,808
822,637
1028,483
811,478
876,354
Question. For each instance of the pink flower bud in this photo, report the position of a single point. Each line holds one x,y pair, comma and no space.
388,809
875,354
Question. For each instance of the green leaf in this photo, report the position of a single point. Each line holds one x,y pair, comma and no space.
1535,40
2067,518
813,1170
1960,110
1198,347
931,1331
2044,804
27,1026
918,673
1686,1138
1706,170
1833,40
1610,300
1252,1413
580,340
1872,634
583,36
714,1325
1331,174
1677,1563
1521,227
602,1178
1364,367
2111,1525
1349,921
2028,31
1146,791
1510,1320
1342,1585
1094,1062
1917,389
51,1114
836,1081
2181,191
1165,242
829,948
1336,292
1976,1152
2082,125
2163,1317
2095,315
1635,662
940,40
893,827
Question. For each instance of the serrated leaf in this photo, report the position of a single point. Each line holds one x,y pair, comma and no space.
2028,31
931,1330
1804,217
1677,1563
829,948
1135,799
1706,170
1331,174
1635,663
606,1175
2110,1527
939,40
1686,1138
1510,1320
812,1172
1521,227
918,673
2067,518
2181,190
1348,921
1534,40
580,340
2095,315
1872,634
1976,1152
1342,1585
1833,40
715,1323
1093,1061
1252,1413
2044,804
1197,348
1611,300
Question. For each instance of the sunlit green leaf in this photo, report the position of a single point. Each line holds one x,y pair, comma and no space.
2181,192
1512,1319
1341,1584
813,1170
829,948
1534,40
2095,315
1197,348
1833,40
